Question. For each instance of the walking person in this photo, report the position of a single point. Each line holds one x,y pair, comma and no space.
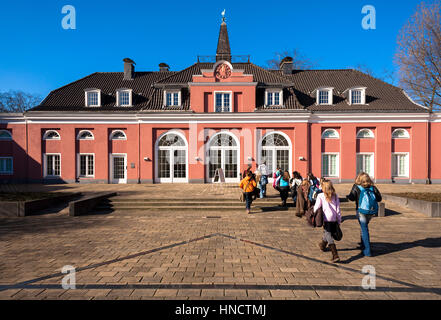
245,173
263,179
366,197
284,186
296,181
248,184
303,203
330,204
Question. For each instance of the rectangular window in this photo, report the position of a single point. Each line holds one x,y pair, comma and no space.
124,98
223,102
330,165
400,165
365,163
6,165
356,96
172,98
92,98
53,168
323,97
273,98
87,165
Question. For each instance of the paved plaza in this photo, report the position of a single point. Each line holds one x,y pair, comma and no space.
209,253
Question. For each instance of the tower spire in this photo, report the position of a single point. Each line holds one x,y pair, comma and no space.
223,51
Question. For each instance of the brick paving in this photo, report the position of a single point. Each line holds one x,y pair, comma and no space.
172,254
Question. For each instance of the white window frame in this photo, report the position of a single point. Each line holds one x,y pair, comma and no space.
86,92
47,132
337,165
172,92
371,134
330,96
115,131
223,100
395,174
372,154
118,92
399,129
363,95
330,129
87,165
7,173
279,91
45,175
84,131
9,138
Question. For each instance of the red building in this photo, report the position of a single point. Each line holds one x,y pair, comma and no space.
167,126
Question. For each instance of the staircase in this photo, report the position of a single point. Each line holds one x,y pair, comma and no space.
124,203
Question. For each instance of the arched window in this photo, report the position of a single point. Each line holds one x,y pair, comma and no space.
276,152
400,134
85,135
171,140
5,135
223,150
330,134
118,135
365,134
51,135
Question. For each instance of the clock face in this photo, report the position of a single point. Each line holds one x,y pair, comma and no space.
223,71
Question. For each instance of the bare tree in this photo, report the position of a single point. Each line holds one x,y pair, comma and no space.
300,62
18,101
418,55
385,75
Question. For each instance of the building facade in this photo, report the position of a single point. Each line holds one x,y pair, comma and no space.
221,112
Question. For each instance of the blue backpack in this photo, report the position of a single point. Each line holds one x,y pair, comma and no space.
367,203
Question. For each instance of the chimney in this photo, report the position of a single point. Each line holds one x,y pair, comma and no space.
164,67
286,65
129,69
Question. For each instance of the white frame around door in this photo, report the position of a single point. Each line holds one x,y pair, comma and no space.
223,149
171,150
274,149
111,171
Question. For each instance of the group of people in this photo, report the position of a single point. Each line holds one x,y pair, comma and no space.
315,193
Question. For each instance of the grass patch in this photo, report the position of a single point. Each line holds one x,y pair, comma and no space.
26,196
431,197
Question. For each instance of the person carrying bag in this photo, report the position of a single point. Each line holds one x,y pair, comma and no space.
330,204
248,184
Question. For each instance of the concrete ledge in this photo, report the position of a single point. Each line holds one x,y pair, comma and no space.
430,209
91,181
28,208
147,181
196,181
83,206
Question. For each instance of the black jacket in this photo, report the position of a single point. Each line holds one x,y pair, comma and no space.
355,195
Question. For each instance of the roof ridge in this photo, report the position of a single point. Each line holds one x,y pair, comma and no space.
177,72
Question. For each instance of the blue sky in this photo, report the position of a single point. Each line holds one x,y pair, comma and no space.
37,55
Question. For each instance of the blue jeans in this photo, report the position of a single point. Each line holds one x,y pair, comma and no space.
248,199
363,220
263,183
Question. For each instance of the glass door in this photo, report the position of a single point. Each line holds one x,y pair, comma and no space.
118,168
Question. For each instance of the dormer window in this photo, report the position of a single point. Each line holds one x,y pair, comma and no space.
93,97
324,96
357,96
273,97
172,98
124,98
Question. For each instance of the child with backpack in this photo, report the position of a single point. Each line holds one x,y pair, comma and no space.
329,202
314,188
284,185
366,197
248,184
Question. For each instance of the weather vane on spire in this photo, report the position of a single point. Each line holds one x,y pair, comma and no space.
223,16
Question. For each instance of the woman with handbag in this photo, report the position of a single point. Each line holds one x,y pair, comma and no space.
330,204
248,184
